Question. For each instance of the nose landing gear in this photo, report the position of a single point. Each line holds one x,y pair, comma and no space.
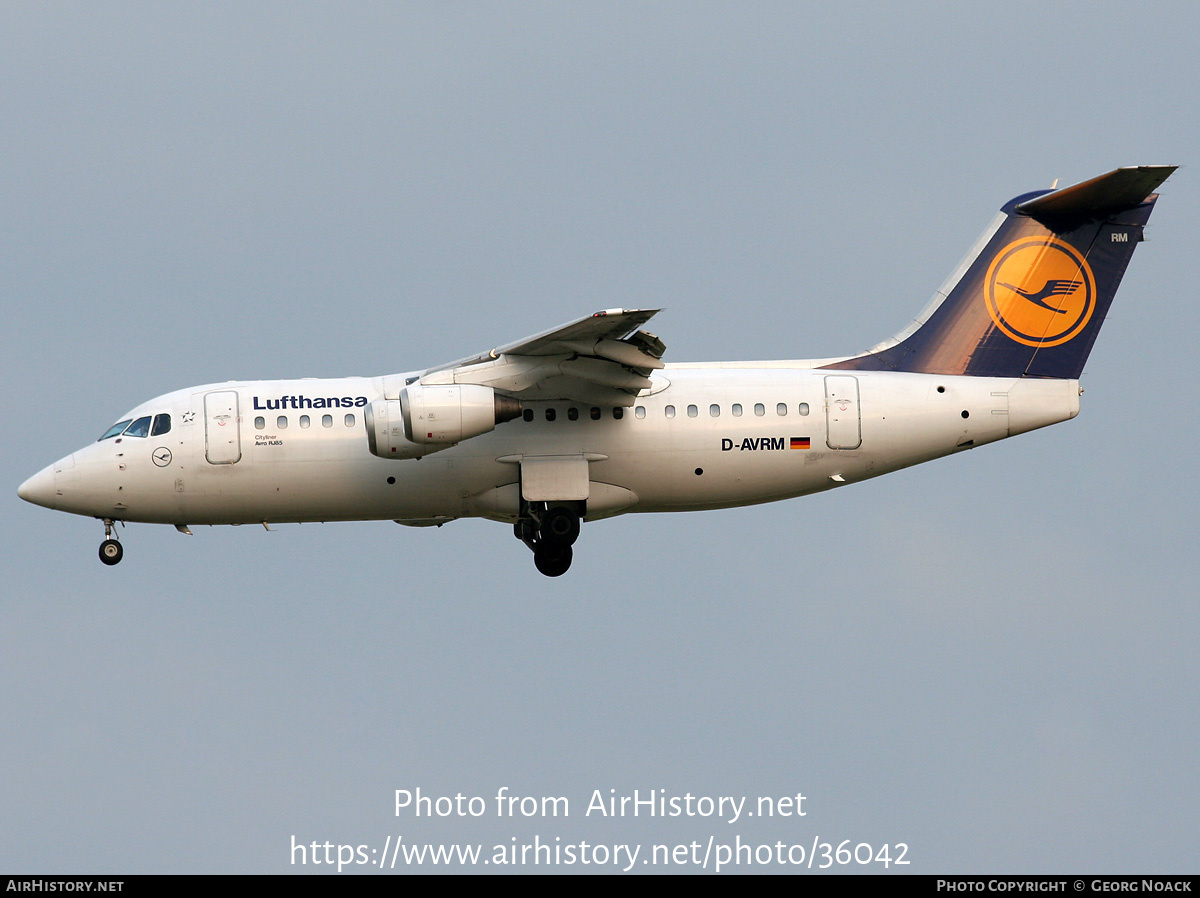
111,551
551,559
550,533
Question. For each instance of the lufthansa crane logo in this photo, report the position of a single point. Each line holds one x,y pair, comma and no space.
1040,291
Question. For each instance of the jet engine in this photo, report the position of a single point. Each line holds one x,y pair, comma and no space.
427,418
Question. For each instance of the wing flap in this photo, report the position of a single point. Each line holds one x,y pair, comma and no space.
579,390
611,324
605,374
600,360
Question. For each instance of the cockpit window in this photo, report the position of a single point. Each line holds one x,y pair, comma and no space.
162,424
139,428
115,430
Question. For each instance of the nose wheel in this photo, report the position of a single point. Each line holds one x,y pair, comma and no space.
552,560
560,526
550,533
111,550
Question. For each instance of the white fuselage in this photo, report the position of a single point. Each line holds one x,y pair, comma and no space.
740,433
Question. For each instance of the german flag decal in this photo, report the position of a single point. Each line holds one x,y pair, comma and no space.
800,442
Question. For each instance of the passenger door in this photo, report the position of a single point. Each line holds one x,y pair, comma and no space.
222,428
842,419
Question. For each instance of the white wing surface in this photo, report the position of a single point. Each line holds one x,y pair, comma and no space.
602,359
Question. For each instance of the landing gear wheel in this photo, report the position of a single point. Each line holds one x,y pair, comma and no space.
560,526
526,531
111,551
552,560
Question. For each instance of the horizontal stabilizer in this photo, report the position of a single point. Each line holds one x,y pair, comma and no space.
1121,188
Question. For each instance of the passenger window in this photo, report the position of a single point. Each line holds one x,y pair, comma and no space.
714,410
693,411
117,428
760,409
527,415
139,428
551,414
803,408
781,409
281,422
640,411
349,420
260,423
737,409
669,411
162,424
595,413
572,414
618,413
305,421
327,420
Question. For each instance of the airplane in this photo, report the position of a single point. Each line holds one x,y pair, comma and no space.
585,421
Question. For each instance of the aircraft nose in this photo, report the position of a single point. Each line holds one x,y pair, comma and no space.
39,489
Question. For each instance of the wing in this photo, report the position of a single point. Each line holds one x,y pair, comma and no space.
602,359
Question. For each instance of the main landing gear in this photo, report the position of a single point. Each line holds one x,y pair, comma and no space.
550,533
111,551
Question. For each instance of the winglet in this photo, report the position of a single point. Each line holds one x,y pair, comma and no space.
1099,197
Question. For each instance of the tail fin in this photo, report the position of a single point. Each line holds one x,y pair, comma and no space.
1031,298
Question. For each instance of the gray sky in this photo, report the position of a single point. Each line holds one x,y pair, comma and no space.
990,658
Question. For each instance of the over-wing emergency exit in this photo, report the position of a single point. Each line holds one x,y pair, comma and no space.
586,421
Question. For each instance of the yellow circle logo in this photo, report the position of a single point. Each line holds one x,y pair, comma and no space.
1040,291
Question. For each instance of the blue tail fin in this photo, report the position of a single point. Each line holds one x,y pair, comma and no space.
1031,301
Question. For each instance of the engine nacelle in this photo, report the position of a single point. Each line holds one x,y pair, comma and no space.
427,418
451,414
385,431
